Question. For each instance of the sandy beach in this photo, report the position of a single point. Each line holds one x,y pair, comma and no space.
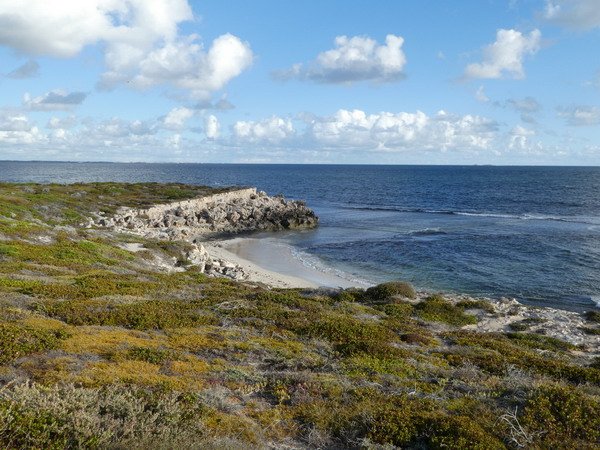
267,261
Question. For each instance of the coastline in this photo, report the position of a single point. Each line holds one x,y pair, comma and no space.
267,262
270,262
264,260
93,317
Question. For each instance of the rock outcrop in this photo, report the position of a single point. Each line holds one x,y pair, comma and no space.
195,220
231,212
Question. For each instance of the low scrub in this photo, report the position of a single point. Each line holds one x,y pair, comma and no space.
438,309
385,292
18,340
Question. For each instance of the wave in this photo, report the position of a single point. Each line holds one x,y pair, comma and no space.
524,216
428,232
315,263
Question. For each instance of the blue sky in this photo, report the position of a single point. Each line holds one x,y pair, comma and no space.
426,82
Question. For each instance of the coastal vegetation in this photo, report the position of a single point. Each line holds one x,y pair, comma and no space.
101,347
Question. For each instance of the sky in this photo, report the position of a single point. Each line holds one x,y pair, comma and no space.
312,81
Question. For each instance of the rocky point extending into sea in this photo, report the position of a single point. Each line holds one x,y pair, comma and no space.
223,214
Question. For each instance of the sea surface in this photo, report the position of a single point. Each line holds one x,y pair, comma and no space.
532,233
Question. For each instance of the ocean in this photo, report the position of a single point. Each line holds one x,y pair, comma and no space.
532,233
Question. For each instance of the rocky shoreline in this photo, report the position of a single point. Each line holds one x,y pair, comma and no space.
200,219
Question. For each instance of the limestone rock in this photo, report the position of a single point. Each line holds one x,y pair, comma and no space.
231,212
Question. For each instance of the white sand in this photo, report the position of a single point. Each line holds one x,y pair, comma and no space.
267,262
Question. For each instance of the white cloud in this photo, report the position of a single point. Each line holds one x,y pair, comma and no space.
54,100
220,105
28,69
184,64
17,129
358,58
212,127
14,122
504,58
116,130
141,38
269,131
177,117
520,139
63,28
528,107
401,131
581,115
481,96
347,135
524,105
65,123
575,14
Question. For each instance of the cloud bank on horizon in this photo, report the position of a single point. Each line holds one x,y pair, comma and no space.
170,80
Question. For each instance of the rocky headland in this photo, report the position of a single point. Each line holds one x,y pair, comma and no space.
208,217
233,212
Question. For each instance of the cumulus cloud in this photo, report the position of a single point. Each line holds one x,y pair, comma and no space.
54,100
358,58
581,115
17,129
143,47
120,128
56,123
574,14
177,117
183,64
504,58
14,122
400,131
521,140
62,29
268,131
29,69
212,127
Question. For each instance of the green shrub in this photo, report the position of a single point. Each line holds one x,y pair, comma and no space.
69,417
18,340
415,423
95,284
144,315
593,316
494,352
438,309
417,338
351,336
395,423
385,291
476,304
350,295
399,310
564,415
540,341
458,433
26,428
590,330
150,355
